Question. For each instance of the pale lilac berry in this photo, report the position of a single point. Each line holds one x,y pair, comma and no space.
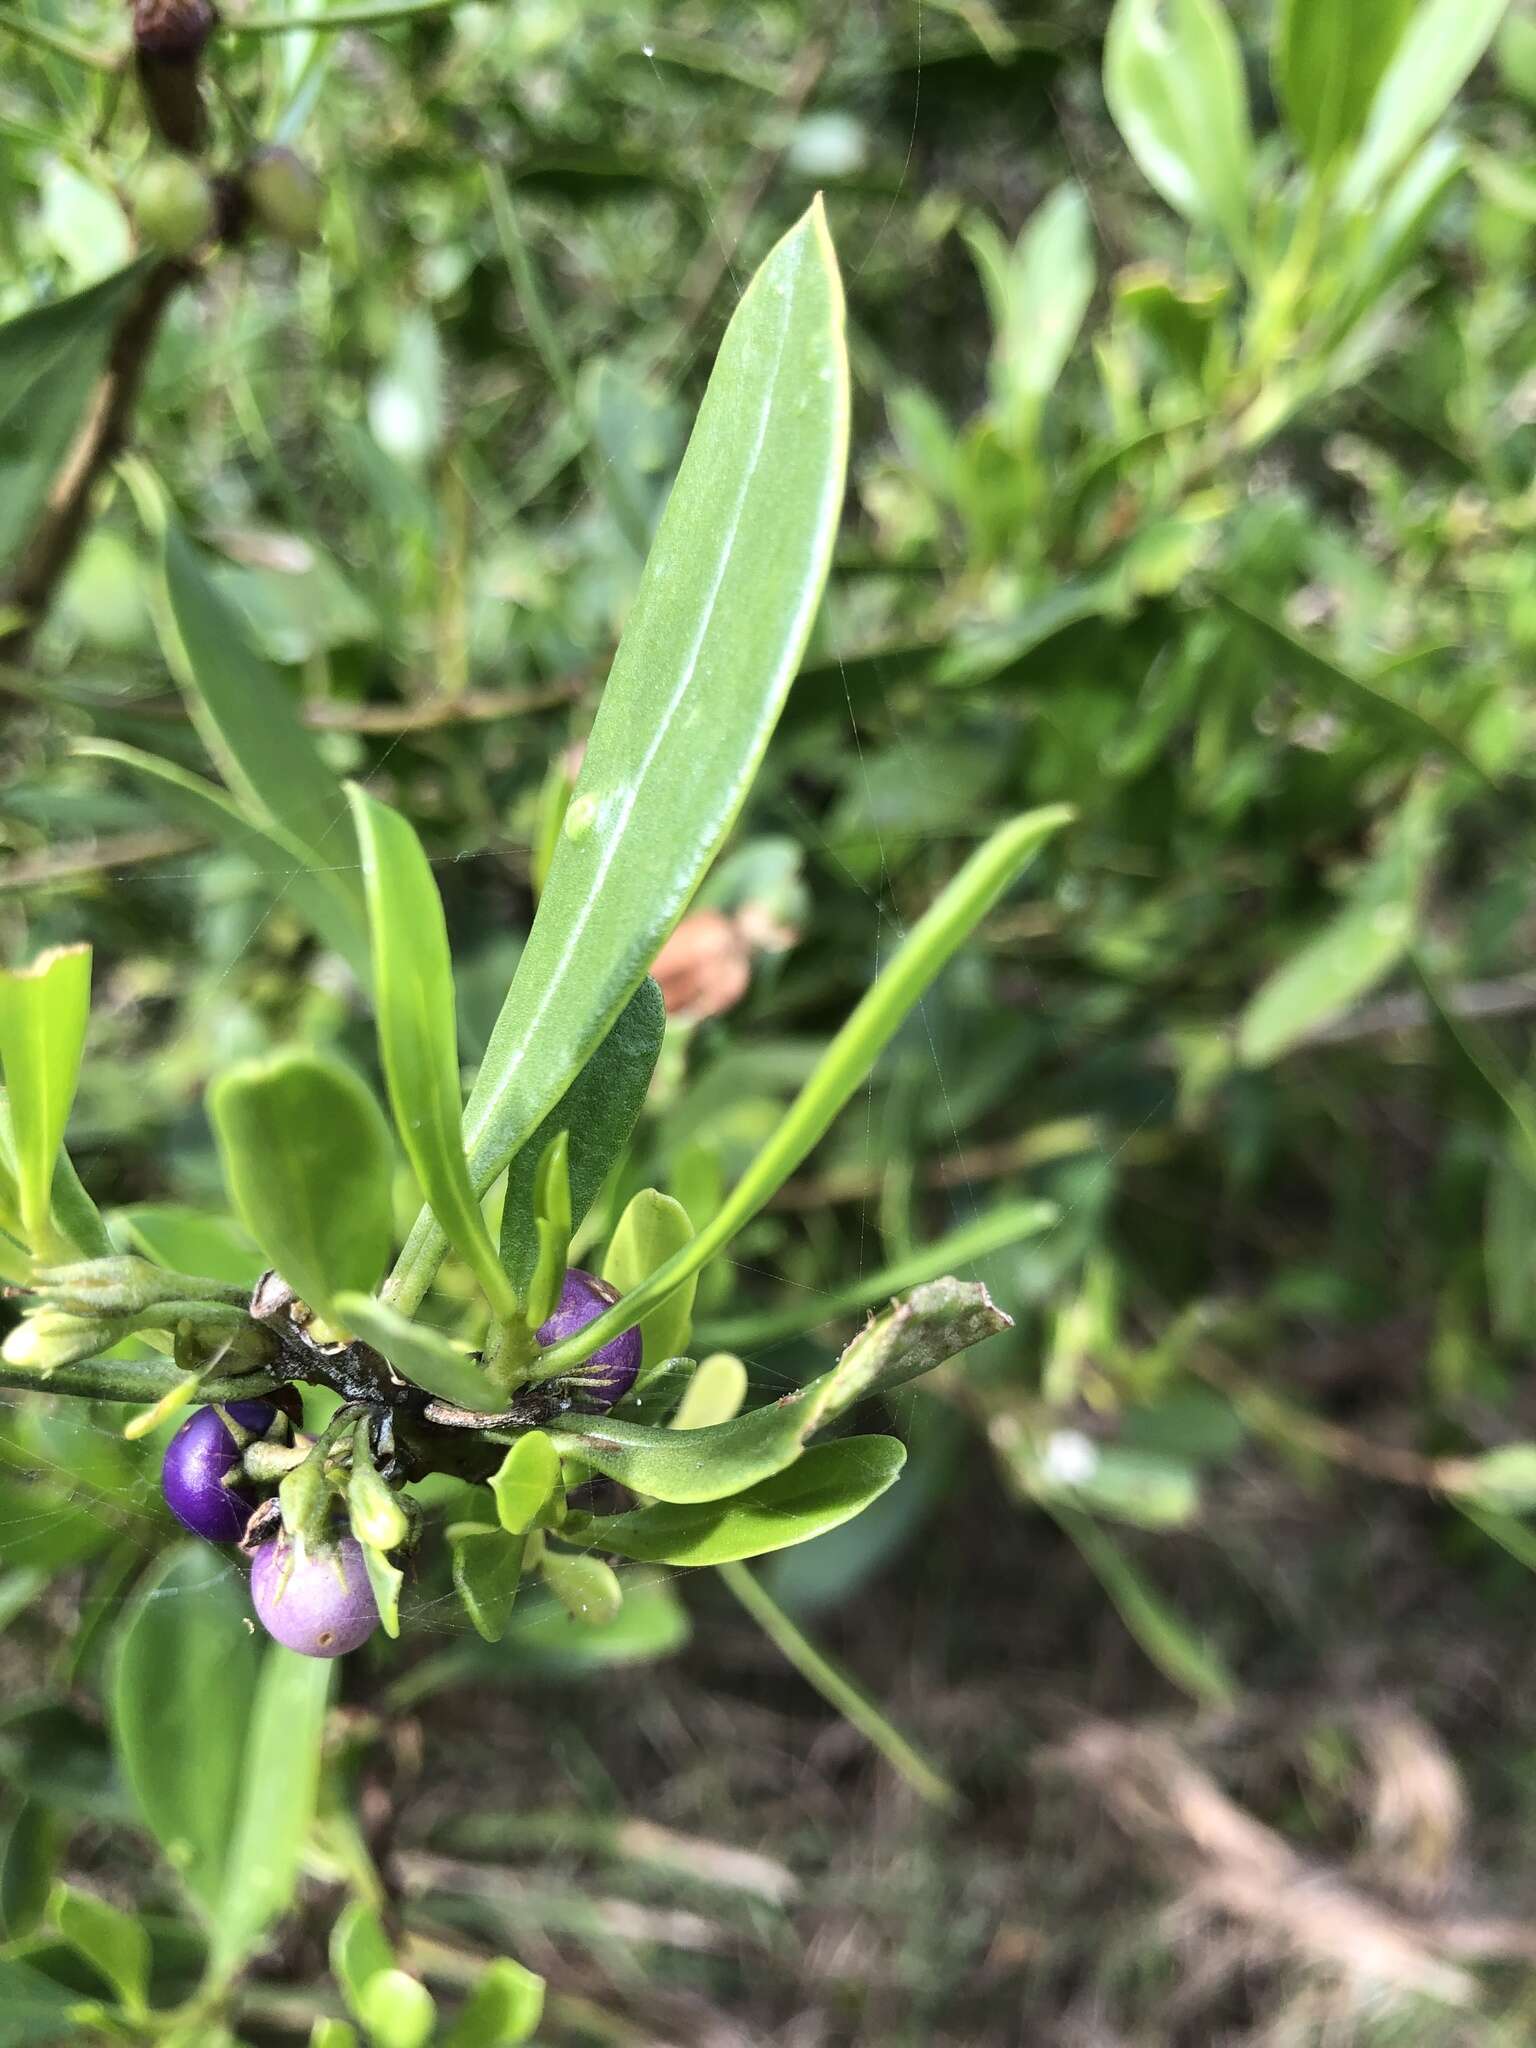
609,1373
319,1603
199,1459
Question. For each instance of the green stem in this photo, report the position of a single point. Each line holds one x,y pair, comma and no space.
838,1689
384,16
53,40
947,922
138,1380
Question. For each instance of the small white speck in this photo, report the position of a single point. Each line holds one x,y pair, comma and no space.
1071,1459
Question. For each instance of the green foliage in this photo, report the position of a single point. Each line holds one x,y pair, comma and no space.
43,1012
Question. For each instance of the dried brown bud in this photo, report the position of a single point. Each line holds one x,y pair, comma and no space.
175,31
169,37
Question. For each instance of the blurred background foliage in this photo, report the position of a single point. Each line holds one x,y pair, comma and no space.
1211,518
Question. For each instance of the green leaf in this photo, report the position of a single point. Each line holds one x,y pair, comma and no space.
418,1032
29,1853
50,360
279,1786
598,1111
421,1354
307,1161
941,929
1501,1481
249,723
1185,1658
180,1696
935,1322
397,2010
1039,292
359,1949
111,1941
525,1483
43,1013
1328,61
386,1580
270,852
1432,61
332,2034
487,1571
1173,77
586,1588
713,638
714,1395
34,2008
188,1240
552,1222
828,1485
653,1229
505,2007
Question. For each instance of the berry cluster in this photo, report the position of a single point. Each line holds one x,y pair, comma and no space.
318,1600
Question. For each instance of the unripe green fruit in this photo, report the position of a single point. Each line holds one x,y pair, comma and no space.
173,205
284,196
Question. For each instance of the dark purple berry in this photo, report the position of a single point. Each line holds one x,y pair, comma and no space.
320,1603
199,1459
609,1373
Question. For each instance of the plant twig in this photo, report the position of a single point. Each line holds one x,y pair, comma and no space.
52,546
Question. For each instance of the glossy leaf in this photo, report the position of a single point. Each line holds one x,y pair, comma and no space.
828,1485
586,1588
1434,58
653,1229
50,359
487,1571
598,1112
525,1483
279,1786
504,2008
307,1162
552,1224
952,916
418,1031
716,630
181,1692
43,1013
269,851
1328,61
1173,77
248,721
421,1354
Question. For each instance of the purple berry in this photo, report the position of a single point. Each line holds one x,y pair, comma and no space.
199,1459
319,1604
609,1373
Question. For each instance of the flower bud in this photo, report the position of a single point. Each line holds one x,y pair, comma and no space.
124,1286
376,1514
284,196
174,206
50,1338
168,41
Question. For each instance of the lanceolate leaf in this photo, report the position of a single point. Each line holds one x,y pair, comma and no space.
830,1484
418,1034
930,943
420,1354
718,626
248,720
43,1013
49,361
307,1161
1328,61
1173,77
1436,52
598,1110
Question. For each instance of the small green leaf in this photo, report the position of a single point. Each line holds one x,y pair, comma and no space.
599,1111
702,1464
359,1950
29,1853
1433,59
50,359
112,1942
43,1014
332,2034
487,1571
714,1394
1328,62
932,941
248,721
504,2008
418,1034
420,1354
397,2010
711,644
586,1588
526,1482
307,1161
181,1689
828,1485
935,1322
386,1580
279,1786
1185,1658
653,1229
1173,77
552,1223
1039,292
188,1240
